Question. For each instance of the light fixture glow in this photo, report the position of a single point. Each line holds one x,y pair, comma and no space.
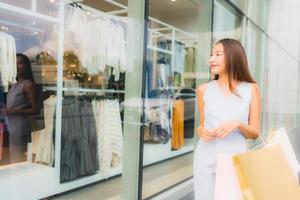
173,0
4,28
52,1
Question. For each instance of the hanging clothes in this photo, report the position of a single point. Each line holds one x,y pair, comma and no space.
109,133
178,125
45,146
79,150
76,23
158,118
179,58
8,60
190,66
102,41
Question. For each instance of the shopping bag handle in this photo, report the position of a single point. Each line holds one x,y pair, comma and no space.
264,139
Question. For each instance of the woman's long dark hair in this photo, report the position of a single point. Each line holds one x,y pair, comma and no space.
236,62
28,69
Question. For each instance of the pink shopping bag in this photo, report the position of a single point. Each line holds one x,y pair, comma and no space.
227,185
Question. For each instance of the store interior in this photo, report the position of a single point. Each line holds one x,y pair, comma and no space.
83,78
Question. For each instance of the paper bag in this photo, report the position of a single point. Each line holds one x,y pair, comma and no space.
280,137
266,175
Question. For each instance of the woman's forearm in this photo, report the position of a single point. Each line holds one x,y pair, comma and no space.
248,131
29,111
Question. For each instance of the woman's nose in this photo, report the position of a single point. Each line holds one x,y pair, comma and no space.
211,59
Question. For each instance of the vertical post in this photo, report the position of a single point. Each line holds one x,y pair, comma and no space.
60,61
204,43
173,51
33,6
134,86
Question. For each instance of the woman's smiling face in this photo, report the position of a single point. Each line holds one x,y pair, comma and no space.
217,61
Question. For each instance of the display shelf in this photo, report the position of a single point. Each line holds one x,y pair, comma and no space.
159,49
27,180
35,181
84,90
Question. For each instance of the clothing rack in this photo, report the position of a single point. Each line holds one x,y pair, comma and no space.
99,13
76,5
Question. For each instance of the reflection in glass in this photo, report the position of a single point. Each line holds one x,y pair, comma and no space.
227,22
28,126
169,94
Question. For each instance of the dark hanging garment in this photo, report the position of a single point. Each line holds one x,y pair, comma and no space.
79,152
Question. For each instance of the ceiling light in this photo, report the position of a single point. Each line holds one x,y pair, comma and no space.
173,0
4,28
52,1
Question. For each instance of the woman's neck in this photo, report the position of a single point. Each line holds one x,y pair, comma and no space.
223,80
21,79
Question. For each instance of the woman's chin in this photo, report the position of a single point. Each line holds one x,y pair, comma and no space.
215,72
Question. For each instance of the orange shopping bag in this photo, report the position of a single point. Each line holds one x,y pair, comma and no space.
265,174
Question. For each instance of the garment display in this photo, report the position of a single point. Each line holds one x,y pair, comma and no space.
178,125
190,60
102,41
217,109
45,146
76,23
109,133
159,119
79,149
8,66
179,58
190,66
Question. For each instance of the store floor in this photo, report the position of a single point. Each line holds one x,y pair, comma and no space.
156,177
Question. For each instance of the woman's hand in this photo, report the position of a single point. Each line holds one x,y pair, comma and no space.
226,128
204,134
6,111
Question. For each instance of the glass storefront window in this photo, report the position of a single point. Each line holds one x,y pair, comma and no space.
27,106
80,53
227,22
170,76
25,4
49,7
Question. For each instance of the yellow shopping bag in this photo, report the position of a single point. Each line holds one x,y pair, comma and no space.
266,175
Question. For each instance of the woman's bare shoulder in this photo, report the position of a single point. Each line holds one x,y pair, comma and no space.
255,91
202,88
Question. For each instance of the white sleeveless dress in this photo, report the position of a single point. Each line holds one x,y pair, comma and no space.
218,109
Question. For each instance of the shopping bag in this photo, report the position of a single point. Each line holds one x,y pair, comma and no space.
266,175
280,137
227,184
294,136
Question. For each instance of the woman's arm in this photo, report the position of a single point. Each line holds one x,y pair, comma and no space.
30,92
250,130
201,131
